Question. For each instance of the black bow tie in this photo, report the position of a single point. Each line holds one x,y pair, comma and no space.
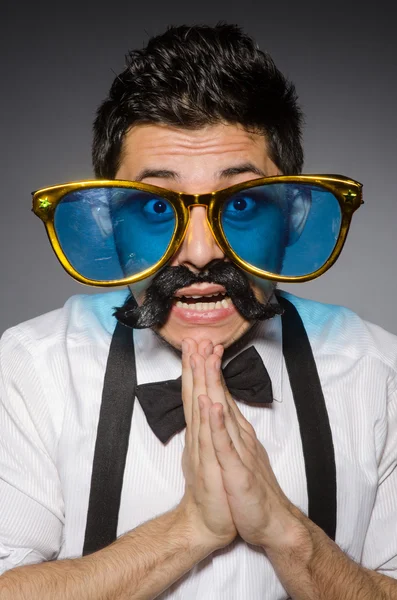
246,378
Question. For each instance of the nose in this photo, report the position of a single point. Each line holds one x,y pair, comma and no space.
199,246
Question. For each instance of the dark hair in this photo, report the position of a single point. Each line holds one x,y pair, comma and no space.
196,76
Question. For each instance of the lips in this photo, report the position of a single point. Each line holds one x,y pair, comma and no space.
200,290
203,298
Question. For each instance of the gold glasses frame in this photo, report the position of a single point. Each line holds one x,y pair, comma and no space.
347,191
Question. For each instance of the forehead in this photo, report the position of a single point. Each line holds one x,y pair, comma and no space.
185,151
211,138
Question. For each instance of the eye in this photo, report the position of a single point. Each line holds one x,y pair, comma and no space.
240,207
157,209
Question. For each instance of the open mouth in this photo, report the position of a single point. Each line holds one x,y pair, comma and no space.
201,303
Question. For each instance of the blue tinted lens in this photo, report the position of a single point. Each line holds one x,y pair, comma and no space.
112,232
283,228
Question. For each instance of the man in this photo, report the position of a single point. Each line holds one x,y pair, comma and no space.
199,131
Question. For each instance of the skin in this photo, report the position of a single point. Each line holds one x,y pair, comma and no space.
226,470
200,161
233,490
230,486
196,162
229,496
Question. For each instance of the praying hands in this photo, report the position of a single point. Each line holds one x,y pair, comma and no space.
228,475
231,489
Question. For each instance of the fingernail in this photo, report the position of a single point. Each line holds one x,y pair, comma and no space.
218,364
192,362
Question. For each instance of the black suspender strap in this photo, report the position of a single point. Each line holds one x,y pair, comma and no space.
112,442
315,430
115,423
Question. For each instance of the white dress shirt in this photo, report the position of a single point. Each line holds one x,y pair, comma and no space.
52,371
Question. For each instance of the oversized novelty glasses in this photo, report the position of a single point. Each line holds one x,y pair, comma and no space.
287,228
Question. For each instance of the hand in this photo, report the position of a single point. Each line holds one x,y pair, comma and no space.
261,512
205,499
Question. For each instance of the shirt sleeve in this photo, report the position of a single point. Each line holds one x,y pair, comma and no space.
380,547
31,503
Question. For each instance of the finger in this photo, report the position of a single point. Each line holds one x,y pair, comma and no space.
199,387
225,450
218,350
205,348
235,411
189,347
207,456
218,394
247,441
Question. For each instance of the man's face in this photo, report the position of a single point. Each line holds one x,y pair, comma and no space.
196,162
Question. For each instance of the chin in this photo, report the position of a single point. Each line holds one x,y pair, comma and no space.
225,336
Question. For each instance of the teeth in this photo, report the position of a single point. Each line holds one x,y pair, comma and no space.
204,295
205,306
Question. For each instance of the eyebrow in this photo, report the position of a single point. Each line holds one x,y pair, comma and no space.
163,173
243,168
229,172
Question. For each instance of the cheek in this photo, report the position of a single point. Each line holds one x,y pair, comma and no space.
138,289
262,288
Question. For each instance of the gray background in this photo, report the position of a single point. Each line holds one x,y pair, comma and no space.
58,64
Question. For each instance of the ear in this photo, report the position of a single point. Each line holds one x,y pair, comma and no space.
299,209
